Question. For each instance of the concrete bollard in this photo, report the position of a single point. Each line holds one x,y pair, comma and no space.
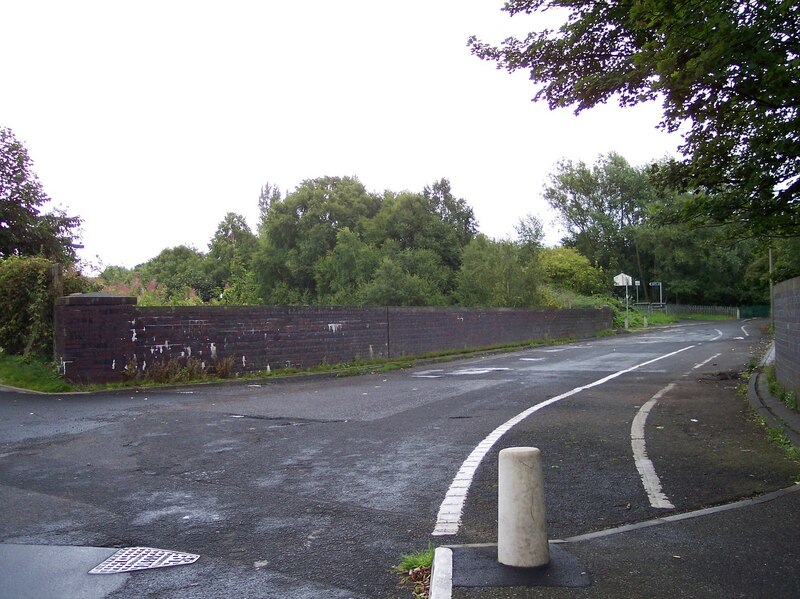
521,521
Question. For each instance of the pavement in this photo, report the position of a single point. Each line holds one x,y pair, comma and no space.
743,549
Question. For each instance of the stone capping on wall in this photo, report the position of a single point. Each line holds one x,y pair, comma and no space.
103,338
786,314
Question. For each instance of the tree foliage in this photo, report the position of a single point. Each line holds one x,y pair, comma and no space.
727,72
606,210
24,229
29,286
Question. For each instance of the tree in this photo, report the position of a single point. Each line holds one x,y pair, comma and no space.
269,195
232,247
178,270
301,229
601,208
24,229
726,71
495,273
565,268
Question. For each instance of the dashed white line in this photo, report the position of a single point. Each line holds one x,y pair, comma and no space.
650,480
448,520
704,362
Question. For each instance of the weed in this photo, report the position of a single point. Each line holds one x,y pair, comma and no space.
777,390
415,571
778,437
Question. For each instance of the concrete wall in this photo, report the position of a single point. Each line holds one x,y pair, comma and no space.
98,336
786,311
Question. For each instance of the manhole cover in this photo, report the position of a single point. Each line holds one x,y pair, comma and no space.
143,558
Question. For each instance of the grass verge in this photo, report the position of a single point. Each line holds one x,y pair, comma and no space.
32,372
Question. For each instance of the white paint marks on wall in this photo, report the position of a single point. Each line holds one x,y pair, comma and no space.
448,520
244,362
647,472
335,327
133,338
213,351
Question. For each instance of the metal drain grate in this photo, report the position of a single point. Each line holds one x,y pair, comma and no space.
131,559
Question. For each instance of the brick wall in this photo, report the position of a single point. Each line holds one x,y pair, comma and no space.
97,336
416,331
786,311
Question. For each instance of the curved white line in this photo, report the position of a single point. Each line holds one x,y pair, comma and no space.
746,334
448,519
719,335
652,485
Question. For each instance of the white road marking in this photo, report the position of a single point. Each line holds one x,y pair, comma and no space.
429,374
531,359
474,371
746,334
719,335
650,480
704,362
448,519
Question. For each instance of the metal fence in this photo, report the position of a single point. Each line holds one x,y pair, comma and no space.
731,311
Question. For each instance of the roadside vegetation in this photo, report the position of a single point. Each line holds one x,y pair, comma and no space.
777,390
415,572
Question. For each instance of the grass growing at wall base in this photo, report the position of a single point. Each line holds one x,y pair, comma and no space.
38,374
777,390
31,372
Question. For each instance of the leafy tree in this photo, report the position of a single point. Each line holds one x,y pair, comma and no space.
564,267
601,208
408,278
301,229
785,265
728,75
232,247
494,273
29,286
269,195
178,270
24,229
454,212
346,269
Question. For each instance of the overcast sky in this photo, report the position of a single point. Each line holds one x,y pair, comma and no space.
152,120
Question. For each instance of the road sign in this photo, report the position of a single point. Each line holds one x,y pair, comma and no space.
655,283
623,280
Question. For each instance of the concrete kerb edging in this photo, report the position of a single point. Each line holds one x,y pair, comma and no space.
441,586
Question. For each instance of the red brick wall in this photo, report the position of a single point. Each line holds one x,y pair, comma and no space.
786,311
97,336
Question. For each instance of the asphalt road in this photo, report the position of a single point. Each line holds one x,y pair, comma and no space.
315,488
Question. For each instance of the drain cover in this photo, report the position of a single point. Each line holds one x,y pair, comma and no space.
143,558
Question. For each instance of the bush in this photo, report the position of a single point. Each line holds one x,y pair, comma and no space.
28,289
